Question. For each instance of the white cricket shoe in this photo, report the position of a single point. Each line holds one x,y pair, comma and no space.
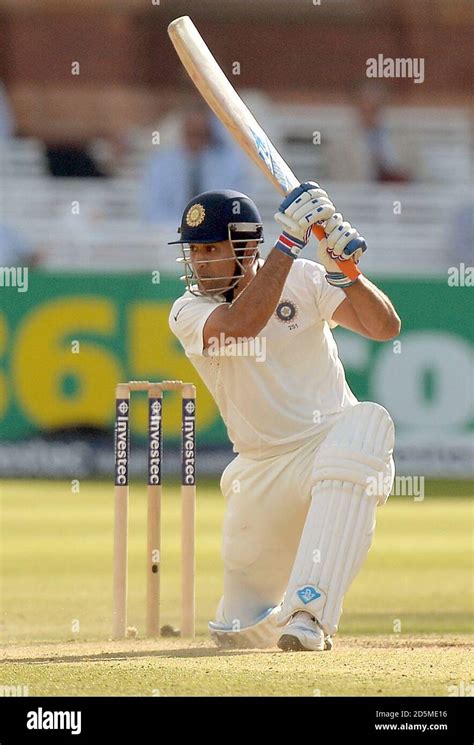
303,634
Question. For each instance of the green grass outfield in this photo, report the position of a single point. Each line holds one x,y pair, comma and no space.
405,629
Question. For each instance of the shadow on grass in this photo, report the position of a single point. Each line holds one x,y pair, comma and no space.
137,654
343,644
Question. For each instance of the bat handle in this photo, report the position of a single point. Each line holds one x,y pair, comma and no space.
347,267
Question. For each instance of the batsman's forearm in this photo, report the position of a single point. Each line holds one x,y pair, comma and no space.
373,309
254,307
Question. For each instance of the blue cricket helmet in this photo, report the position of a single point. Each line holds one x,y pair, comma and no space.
215,216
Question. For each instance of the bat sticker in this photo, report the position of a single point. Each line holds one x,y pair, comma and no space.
272,159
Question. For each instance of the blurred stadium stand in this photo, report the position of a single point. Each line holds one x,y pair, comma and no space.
109,231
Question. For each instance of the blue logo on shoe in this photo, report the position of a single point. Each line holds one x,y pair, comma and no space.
308,593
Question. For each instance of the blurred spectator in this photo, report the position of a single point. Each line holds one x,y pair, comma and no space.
14,251
7,119
202,160
384,165
72,161
111,148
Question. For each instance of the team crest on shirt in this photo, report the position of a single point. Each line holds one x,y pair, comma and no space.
195,215
286,311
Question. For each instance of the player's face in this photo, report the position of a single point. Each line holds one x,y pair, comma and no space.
213,265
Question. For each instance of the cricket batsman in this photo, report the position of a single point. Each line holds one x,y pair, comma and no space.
312,462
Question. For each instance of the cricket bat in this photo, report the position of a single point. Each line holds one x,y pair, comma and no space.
227,105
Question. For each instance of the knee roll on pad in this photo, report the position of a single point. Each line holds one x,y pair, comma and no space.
359,449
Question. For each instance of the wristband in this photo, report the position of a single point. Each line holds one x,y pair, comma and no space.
289,245
338,279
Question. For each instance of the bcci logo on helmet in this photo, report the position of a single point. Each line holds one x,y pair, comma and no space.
195,215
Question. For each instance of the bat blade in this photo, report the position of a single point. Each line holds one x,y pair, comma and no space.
229,108
227,105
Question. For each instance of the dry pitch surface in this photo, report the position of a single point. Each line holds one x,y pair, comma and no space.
365,666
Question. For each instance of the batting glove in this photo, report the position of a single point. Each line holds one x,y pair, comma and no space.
305,206
343,243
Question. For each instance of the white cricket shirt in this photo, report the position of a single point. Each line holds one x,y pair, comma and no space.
276,392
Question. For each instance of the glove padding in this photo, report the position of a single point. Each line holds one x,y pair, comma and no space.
304,206
343,243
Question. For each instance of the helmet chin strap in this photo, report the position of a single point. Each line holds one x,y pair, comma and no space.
229,294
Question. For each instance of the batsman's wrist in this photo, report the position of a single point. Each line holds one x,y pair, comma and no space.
338,279
289,245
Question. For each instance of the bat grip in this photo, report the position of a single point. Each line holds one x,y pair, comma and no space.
347,267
